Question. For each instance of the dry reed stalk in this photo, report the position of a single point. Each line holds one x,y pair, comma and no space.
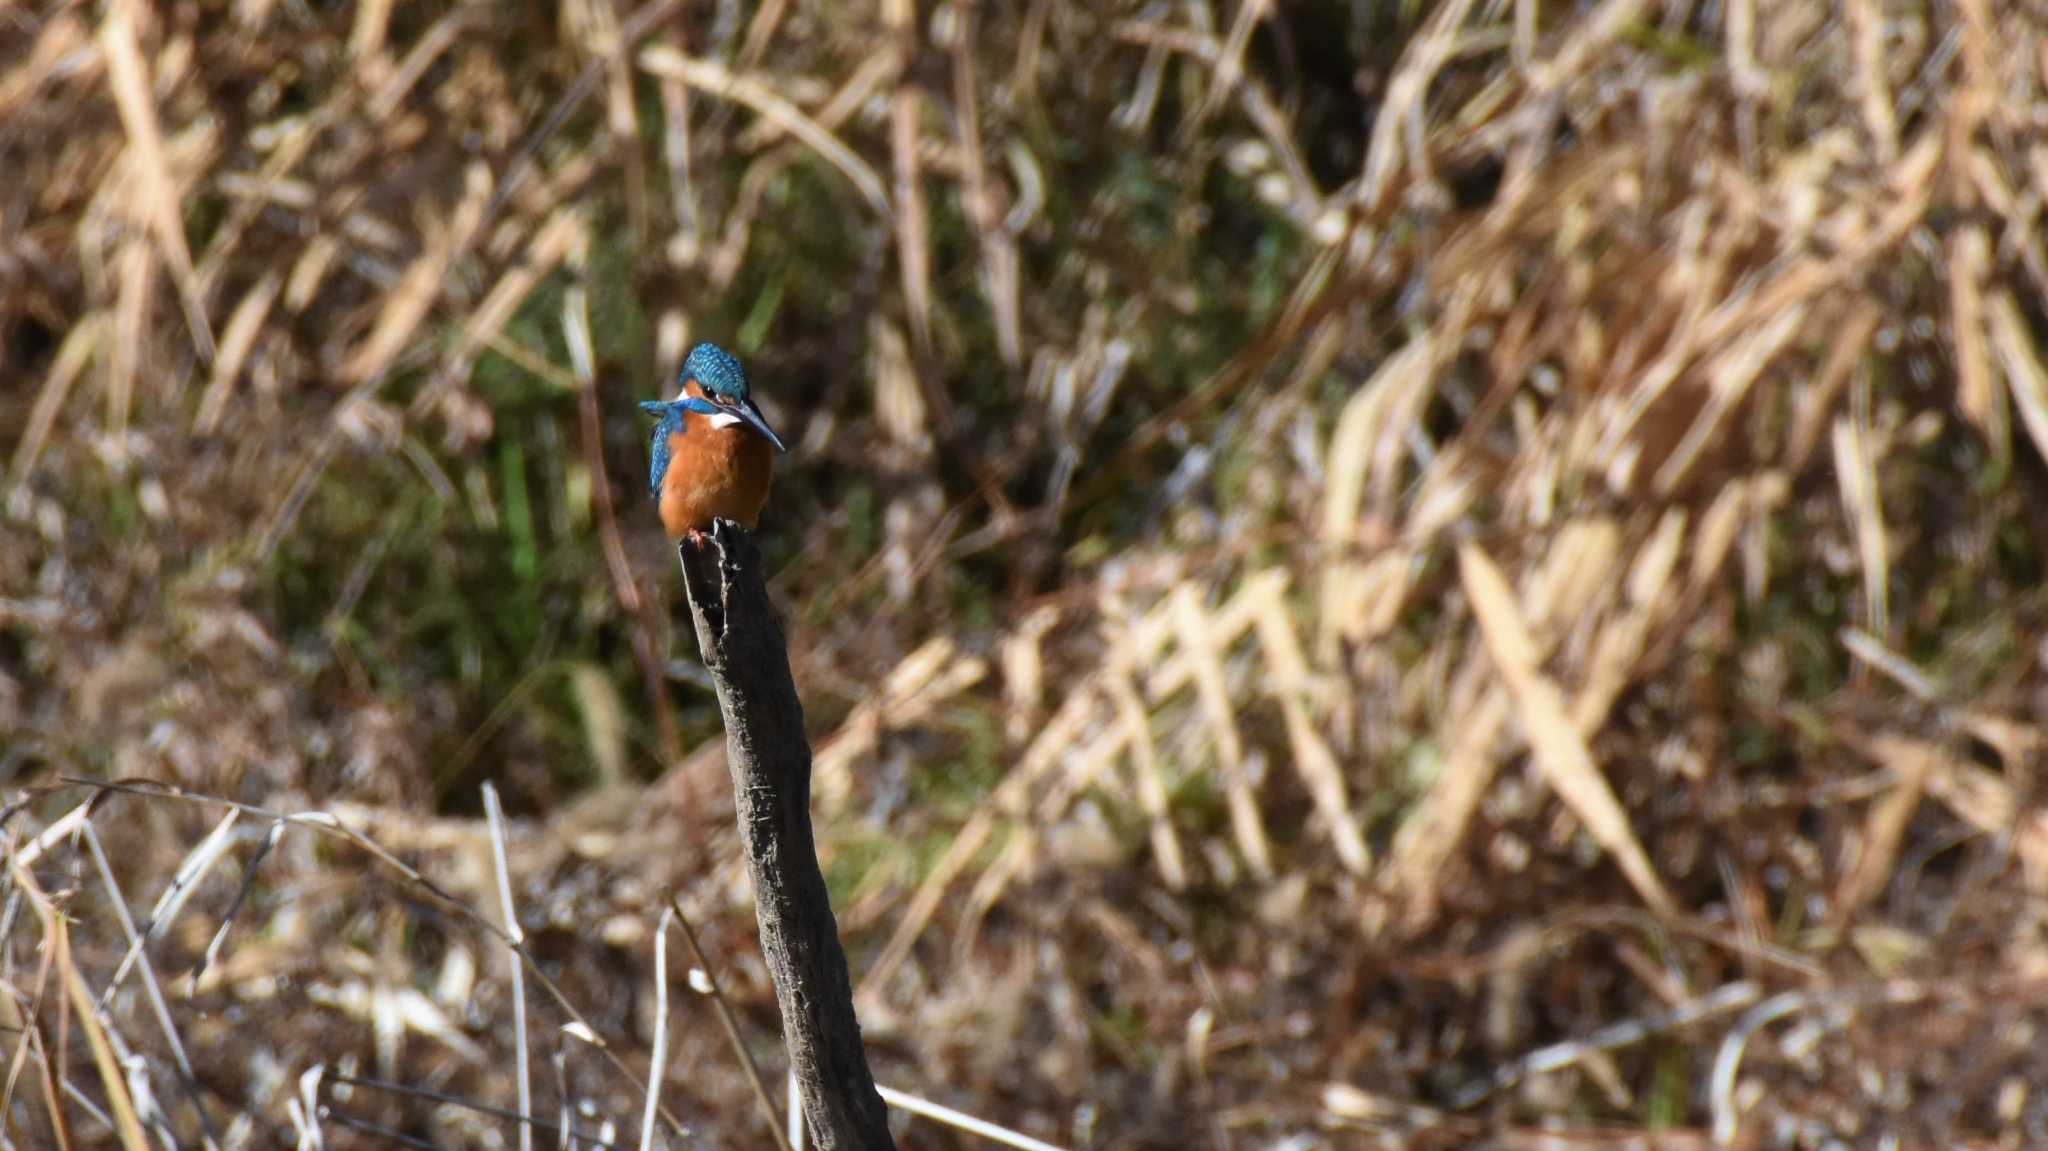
933,675
86,338
686,245
664,61
409,303
1121,683
1575,573
1560,752
1199,646
977,193
1006,802
128,74
1884,825
1856,464
1845,356
1289,680
1362,428
126,357
61,38
563,231
879,69
2025,377
913,233
1978,797
245,323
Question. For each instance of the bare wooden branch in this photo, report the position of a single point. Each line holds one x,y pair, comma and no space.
770,760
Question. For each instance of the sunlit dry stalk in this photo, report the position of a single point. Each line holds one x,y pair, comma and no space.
1362,427
79,1001
913,239
1121,684
998,248
1575,574
86,338
1229,61
60,38
1259,107
730,252
1427,51
366,35
128,75
564,229
1845,357
244,325
515,936
2025,376
1856,464
125,357
657,1064
1648,599
1560,751
877,70
400,81
1007,801
662,60
675,152
731,1024
1288,678
921,682
406,306
622,119
582,347
1211,687
341,824
1728,381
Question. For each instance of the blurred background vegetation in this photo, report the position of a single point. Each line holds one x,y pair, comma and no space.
1407,574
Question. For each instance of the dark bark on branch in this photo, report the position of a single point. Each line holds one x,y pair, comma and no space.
770,760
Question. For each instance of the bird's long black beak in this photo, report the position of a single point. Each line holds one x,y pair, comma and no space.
759,423
655,408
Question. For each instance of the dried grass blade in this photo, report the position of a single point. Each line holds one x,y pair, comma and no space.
1434,829
84,339
913,231
998,249
2024,373
184,882
244,325
962,1121
514,938
126,1125
131,333
1856,479
1884,828
407,304
662,60
925,679
1122,686
1289,681
1059,734
1559,750
730,1022
1845,355
128,76
1205,657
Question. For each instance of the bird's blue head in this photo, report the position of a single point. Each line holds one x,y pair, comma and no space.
725,402
716,370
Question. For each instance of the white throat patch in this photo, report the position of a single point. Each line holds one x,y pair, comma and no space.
723,419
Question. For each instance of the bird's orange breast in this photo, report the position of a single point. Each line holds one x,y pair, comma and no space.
714,473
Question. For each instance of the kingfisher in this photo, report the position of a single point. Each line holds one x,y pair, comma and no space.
713,451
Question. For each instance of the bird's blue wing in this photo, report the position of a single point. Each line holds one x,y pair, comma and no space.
672,424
